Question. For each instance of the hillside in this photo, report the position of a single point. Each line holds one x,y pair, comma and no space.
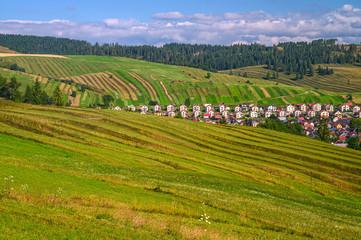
102,174
346,79
138,82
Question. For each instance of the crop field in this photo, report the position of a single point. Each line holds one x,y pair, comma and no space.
99,174
137,82
346,77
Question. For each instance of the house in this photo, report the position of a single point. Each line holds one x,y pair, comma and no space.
207,115
355,109
271,108
171,114
245,106
254,108
218,117
143,108
211,113
197,113
183,107
311,113
196,107
117,108
237,108
297,113
255,123
267,114
184,114
99,108
132,108
302,107
226,114
289,108
239,114
337,114
170,108
253,114
282,113
344,107
315,107
324,114
209,107
157,108
221,107
328,107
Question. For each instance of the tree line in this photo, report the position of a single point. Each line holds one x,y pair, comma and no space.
289,57
34,94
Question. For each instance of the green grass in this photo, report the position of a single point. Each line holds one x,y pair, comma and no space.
138,82
346,77
101,174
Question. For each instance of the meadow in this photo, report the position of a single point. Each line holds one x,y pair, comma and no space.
346,77
80,173
138,82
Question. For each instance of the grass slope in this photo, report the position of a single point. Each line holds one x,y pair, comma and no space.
346,77
101,174
137,82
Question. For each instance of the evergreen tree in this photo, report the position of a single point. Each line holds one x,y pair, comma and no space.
245,75
354,143
14,93
268,76
37,93
274,75
323,132
311,71
187,102
28,95
58,97
107,99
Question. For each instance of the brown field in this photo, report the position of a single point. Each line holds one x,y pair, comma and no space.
6,50
30,55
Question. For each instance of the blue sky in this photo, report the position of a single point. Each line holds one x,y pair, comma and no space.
203,21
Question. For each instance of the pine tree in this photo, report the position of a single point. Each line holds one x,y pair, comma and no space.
14,93
58,97
268,76
37,93
245,75
28,95
311,71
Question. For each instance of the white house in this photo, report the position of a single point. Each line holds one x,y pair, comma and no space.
196,107
328,107
302,107
170,108
171,114
239,114
311,113
197,113
355,109
117,108
226,114
144,108
221,107
324,113
297,113
315,107
183,107
344,107
237,108
254,108
267,114
282,113
253,114
211,113
289,108
184,114
272,108
209,108
157,108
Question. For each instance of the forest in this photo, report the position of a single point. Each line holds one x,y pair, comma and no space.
289,57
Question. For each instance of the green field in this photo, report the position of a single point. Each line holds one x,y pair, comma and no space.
100,174
138,82
346,77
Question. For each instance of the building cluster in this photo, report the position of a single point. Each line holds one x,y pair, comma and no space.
338,117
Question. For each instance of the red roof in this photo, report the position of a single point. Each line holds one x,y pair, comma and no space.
218,116
207,115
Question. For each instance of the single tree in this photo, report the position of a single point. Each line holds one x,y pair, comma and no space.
37,93
107,99
28,95
58,97
187,102
323,132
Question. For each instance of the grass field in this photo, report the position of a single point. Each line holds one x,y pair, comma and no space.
99,174
137,82
346,77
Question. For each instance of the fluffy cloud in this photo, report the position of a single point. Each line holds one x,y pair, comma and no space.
228,28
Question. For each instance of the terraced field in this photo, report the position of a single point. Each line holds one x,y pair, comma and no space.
101,174
137,82
346,77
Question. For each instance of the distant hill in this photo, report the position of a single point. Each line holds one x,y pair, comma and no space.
138,82
77,173
284,57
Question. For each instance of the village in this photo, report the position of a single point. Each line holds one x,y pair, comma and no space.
246,114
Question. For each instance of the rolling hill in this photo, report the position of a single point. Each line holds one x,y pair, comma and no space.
138,82
101,174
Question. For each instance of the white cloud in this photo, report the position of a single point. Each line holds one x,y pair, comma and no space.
228,28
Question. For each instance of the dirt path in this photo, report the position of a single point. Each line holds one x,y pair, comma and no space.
166,90
284,99
30,55
265,92
151,76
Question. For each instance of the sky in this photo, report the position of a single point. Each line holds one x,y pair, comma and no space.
157,22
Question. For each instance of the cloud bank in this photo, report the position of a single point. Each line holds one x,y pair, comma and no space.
228,28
